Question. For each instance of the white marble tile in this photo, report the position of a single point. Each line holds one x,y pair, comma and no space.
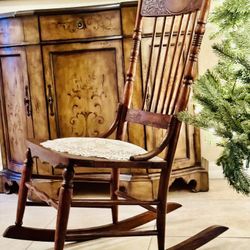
10,244
197,215
220,243
228,244
125,243
218,206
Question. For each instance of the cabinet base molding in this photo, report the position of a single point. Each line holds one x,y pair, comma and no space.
9,181
198,176
1,183
133,185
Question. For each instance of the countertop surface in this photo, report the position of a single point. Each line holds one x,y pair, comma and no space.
15,6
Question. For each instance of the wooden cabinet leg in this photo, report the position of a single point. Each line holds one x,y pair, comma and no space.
23,190
65,197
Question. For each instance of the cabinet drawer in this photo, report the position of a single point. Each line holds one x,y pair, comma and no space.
85,25
19,30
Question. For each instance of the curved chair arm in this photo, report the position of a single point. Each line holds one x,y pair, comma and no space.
114,124
155,151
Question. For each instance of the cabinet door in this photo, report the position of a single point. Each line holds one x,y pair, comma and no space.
84,82
16,120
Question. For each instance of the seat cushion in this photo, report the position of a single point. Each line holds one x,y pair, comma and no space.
95,147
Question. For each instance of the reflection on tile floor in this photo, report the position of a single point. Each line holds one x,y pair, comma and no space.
221,205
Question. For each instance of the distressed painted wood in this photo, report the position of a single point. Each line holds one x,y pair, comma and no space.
77,92
14,85
75,26
19,31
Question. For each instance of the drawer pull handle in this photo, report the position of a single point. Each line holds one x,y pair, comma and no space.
80,24
27,102
50,101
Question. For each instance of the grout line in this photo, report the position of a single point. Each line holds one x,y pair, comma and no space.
221,237
29,245
45,227
151,239
234,237
54,217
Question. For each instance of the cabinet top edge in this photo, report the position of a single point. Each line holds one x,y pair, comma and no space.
8,9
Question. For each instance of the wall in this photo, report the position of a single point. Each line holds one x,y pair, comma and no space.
207,60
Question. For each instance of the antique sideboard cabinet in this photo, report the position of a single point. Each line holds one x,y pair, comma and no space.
62,74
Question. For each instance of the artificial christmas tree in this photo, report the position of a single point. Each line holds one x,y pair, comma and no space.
223,93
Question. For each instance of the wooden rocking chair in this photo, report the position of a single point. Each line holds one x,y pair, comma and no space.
175,41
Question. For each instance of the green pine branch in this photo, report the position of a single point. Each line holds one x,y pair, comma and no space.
230,14
224,93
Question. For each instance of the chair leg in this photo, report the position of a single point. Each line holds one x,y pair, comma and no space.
23,190
162,208
65,197
114,186
161,224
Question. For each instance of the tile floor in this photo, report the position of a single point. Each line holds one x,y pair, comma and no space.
221,205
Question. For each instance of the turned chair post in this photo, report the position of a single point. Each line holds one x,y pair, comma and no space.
191,71
65,197
127,97
130,76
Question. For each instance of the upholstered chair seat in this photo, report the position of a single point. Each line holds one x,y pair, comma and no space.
96,147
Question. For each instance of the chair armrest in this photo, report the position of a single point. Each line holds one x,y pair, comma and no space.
154,152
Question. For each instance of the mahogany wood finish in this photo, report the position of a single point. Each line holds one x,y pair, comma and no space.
166,88
65,197
200,238
23,192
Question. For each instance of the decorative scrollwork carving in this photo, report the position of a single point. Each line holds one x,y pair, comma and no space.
87,104
169,7
16,120
73,26
94,22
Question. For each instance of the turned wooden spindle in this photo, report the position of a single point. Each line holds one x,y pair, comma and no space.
131,72
23,190
65,197
190,74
